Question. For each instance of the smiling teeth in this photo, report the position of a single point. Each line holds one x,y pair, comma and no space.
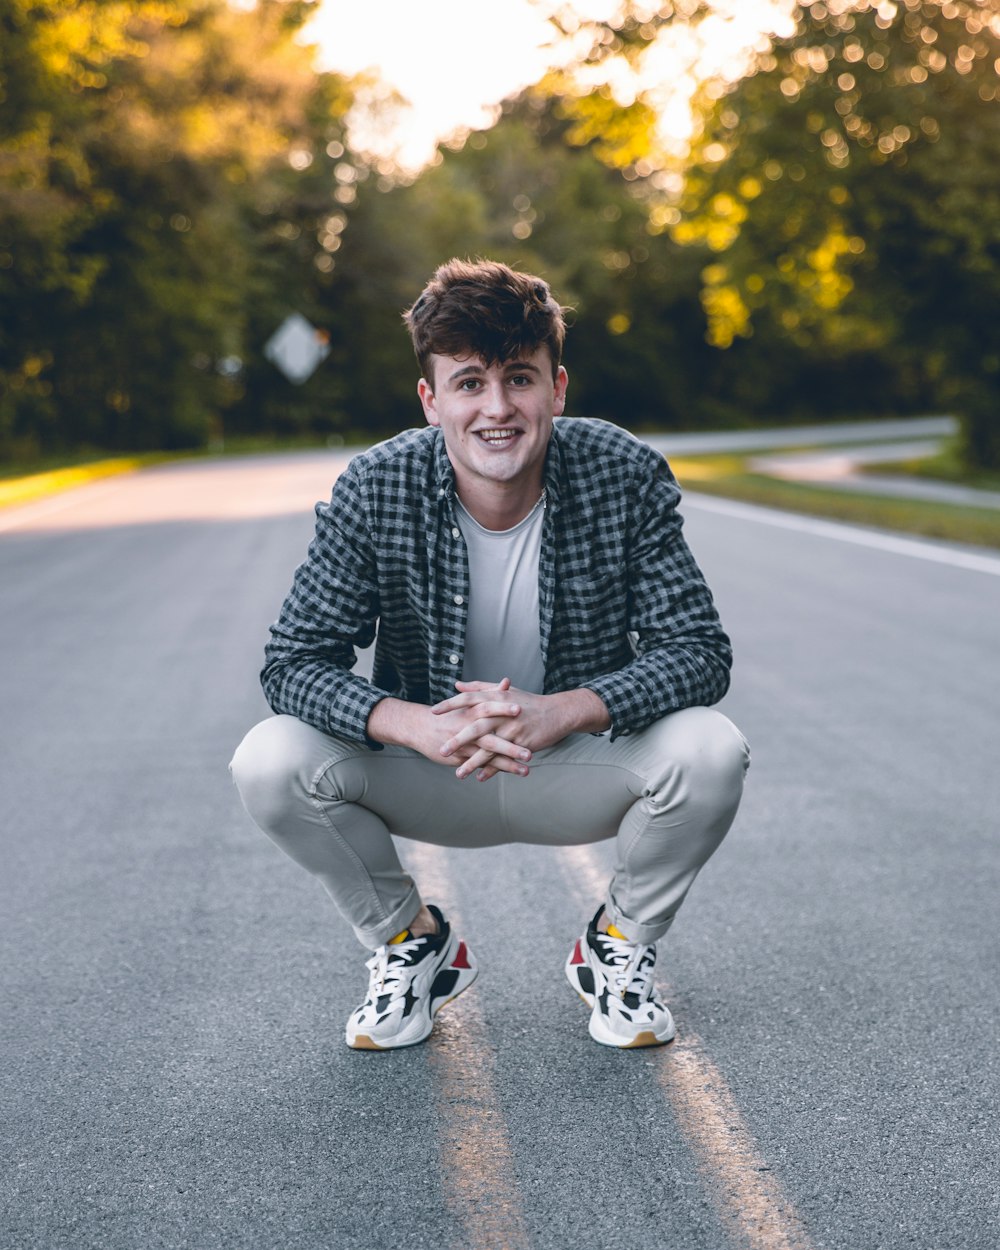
497,436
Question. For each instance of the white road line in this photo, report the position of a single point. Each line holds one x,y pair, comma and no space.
476,1155
746,1194
920,550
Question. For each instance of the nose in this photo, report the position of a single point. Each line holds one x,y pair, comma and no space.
496,400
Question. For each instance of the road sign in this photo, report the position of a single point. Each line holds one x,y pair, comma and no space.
297,348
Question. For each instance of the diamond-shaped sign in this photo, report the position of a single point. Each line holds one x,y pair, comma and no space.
297,348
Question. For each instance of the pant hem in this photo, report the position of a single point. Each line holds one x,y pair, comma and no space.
395,923
634,931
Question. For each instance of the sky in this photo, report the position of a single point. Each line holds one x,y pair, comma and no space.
454,60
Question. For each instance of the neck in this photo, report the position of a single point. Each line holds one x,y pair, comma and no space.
500,505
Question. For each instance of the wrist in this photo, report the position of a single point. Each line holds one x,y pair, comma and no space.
391,722
584,710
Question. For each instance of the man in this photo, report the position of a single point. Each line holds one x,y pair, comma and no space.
546,651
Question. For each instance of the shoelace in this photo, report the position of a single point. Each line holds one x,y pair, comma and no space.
626,959
386,969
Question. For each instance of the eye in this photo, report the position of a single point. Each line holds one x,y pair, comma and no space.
469,384
521,379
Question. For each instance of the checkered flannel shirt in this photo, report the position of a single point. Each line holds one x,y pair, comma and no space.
623,607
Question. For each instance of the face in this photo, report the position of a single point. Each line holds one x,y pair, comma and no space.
496,420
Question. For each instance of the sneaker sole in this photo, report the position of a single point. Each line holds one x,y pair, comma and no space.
449,982
646,1037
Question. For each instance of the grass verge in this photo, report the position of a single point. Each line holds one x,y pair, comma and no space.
726,476
947,466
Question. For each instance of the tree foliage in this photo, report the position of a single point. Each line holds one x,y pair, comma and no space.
849,188
148,174
175,179
522,194
637,352
845,196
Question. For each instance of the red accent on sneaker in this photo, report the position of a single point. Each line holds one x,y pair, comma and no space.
461,959
577,956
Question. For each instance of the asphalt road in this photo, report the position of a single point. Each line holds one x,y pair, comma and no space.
172,991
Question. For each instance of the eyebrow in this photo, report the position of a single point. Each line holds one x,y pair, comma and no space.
517,366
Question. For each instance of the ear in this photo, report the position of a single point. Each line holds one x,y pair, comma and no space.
559,398
428,402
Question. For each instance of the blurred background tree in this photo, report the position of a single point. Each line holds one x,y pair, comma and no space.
521,193
844,195
176,177
150,211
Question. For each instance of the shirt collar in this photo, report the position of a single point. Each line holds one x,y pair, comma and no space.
555,466
444,474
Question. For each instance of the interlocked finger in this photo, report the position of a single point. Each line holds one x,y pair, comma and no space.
489,763
485,707
481,732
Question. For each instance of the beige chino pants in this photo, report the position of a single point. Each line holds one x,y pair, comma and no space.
668,796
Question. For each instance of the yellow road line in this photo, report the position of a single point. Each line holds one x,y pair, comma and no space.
747,1196
477,1161
19,490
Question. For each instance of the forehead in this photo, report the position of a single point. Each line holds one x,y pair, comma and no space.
469,363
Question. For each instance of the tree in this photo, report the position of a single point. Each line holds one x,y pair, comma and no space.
158,211
521,193
54,60
849,187
845,194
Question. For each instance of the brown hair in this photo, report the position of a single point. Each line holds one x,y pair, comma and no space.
484,308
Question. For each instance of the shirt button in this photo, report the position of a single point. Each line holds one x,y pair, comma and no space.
459,599
455,533
453,658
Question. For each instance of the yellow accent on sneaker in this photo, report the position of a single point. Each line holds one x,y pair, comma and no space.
400,937
615,932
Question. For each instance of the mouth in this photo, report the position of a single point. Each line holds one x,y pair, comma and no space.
497,438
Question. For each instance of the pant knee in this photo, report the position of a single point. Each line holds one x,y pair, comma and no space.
703,753
721,752
268,771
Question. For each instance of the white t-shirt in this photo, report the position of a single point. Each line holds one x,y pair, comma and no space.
503,637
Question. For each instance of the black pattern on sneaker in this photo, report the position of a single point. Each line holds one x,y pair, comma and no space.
409,982
614,977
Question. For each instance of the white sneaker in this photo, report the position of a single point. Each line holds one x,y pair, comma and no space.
410,981
614,977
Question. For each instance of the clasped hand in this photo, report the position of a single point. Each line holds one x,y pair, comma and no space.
498,727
